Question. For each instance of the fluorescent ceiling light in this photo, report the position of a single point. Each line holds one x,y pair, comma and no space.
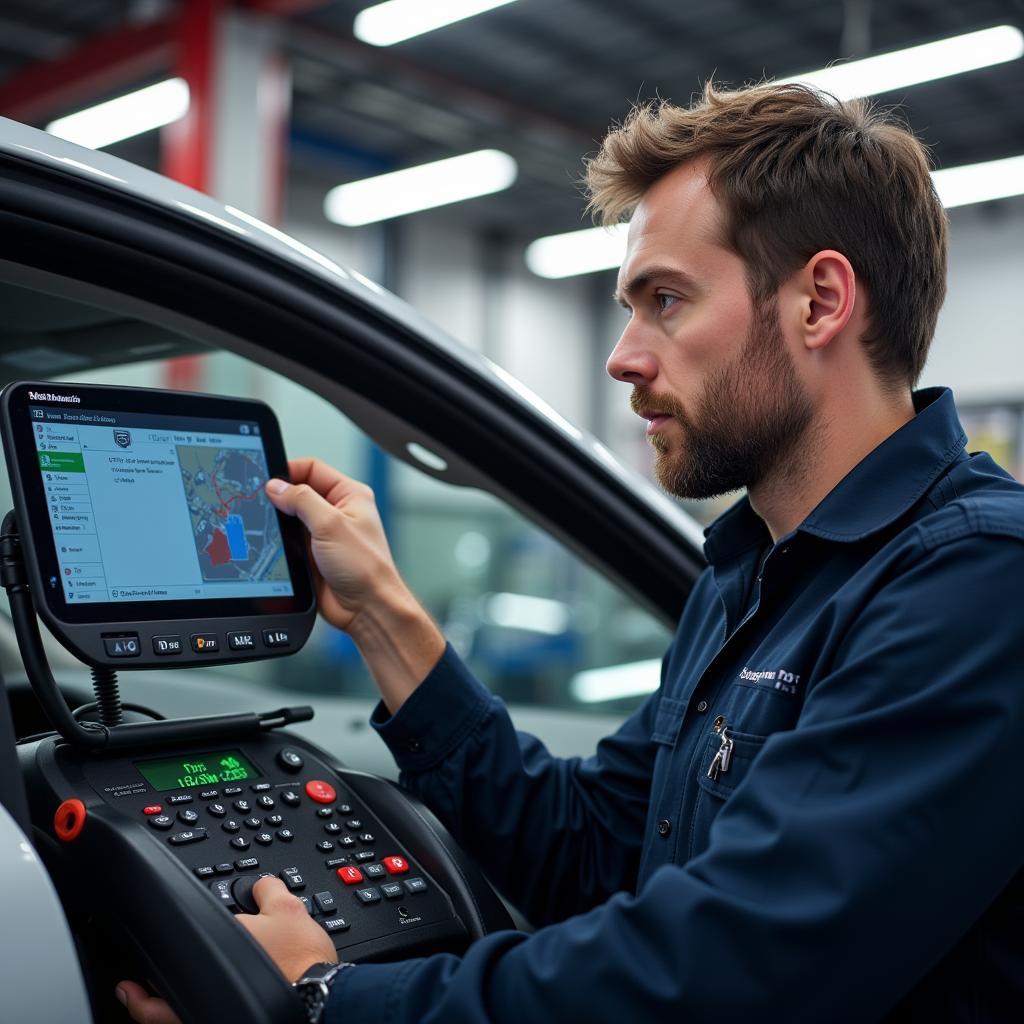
917,64
420,188
533,614
395,20
978,183
126,116
578,252
616,681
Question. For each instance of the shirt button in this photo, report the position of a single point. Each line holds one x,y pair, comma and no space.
664,827
414,745
702,706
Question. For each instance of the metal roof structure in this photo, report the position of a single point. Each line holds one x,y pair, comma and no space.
543,79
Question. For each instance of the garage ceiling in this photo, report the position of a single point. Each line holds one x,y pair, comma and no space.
542,79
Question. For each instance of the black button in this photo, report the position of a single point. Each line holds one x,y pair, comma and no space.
347,841
353,823
290,798
292,877
205,643
276,638
246,863
164,645
240,843
335,924
364,855
260,787
193,835
344,808
366,837
242,806
375,871
371,895
324,812
702,706
266,802
325,902
208,794
217,810
285,835
308,904
664,827
335,862
274,819
253,822
188,817
290,760
263,838
392,890
161,821
413,745
180,798
232,790
222,890
325,846
205,872
242,640
223,869
332,828
415,885
231,825
126,646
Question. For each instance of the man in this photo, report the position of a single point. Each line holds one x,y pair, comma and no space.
819,816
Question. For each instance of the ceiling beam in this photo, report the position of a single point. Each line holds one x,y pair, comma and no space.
96,67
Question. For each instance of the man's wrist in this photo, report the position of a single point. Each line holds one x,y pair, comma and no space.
399,642
314,987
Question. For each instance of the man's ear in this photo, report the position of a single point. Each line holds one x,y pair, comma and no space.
828,293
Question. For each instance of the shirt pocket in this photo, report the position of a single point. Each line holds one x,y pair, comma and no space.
713,793
667,721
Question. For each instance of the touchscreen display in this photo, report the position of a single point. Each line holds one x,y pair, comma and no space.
158,508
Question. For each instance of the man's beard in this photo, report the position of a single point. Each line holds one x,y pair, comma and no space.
748,418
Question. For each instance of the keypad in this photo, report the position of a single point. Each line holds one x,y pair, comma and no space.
370,895
217,810
286,835
188,817
375,871
161,821
231,825
335,924
392,890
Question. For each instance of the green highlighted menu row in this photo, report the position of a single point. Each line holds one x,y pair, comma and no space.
61,462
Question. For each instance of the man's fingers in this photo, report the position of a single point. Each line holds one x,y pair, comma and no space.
324,479
272,896
301,500
143,1007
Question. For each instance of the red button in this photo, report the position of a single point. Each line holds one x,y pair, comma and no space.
321,792
152,809
69,820
350,876
395,865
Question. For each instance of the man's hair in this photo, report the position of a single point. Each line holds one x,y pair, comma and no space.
797,171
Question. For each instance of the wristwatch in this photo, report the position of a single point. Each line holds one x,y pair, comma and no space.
314,988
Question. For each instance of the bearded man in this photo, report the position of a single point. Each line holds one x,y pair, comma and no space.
819,816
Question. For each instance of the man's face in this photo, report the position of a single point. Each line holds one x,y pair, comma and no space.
710,369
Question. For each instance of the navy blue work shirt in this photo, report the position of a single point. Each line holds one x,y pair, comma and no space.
857,857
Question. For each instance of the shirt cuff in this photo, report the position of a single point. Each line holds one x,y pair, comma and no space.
439,714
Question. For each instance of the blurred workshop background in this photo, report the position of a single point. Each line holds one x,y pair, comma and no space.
294,111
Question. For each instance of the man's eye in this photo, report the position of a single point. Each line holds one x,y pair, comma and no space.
665,301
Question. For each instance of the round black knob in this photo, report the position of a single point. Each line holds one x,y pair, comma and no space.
241,890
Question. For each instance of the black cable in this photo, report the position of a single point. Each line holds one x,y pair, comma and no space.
108,697
126,706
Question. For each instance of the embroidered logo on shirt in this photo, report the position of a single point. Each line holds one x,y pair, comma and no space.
775,679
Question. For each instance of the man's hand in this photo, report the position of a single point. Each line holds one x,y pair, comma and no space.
358,586
292,939
283,927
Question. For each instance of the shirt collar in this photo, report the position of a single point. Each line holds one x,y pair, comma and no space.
878,490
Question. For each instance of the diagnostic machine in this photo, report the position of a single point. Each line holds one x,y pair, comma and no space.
141,535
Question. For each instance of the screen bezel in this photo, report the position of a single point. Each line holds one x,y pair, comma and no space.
39,544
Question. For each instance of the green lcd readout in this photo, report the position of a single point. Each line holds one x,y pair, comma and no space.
198,770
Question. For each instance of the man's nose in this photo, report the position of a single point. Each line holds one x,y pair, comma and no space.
631,361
